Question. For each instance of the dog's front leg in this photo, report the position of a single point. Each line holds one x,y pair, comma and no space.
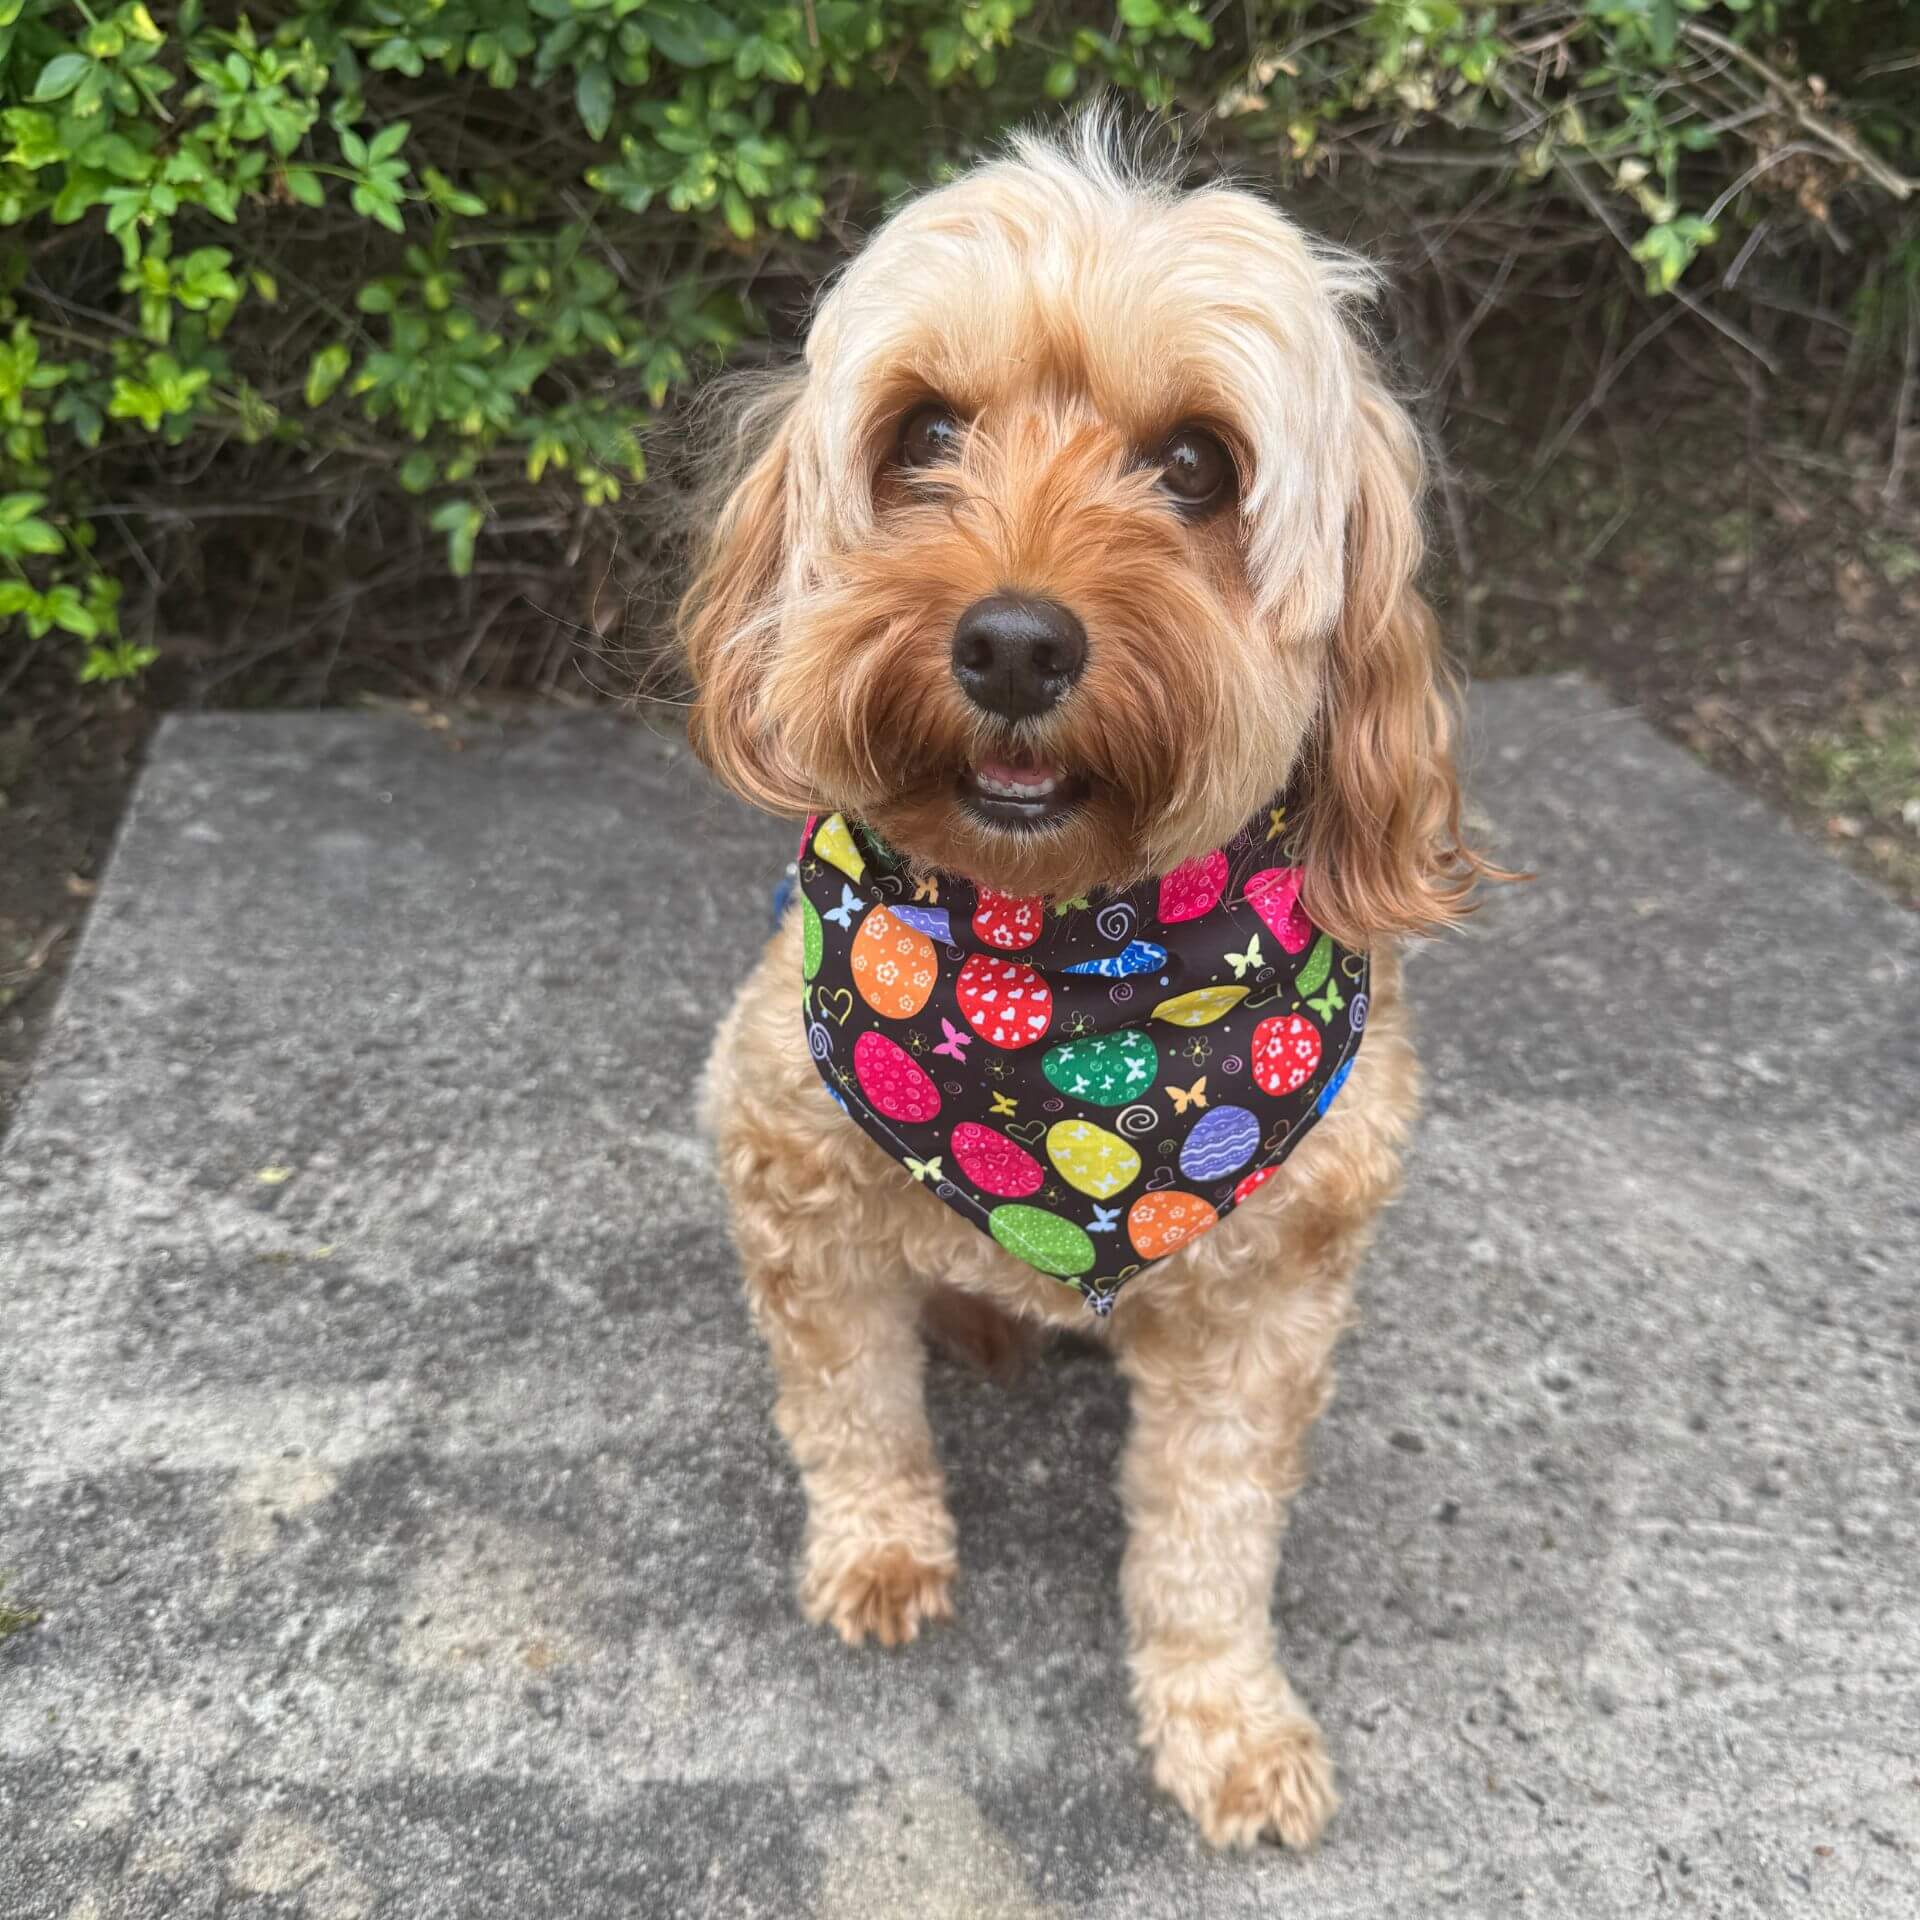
848,1359
1221,1407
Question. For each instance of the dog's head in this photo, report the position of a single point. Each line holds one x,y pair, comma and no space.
1088,527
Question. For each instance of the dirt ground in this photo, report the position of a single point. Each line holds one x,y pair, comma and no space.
1751,590
1754,596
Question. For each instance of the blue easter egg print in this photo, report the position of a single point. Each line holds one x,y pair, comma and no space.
1223,1140
1137,956
1331,1091
927,920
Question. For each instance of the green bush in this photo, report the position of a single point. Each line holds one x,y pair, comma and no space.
306,309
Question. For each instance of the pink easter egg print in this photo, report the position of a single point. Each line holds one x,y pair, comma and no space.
995,1164
1274,894
1253,1183
1006,921
1285,1050
1006,1004
892,1081
1188,892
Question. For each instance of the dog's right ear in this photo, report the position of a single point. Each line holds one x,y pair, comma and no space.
729,621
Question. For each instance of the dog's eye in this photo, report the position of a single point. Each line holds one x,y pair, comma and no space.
1195,468
929,435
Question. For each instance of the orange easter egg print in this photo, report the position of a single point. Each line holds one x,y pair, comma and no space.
1157,1223
893,966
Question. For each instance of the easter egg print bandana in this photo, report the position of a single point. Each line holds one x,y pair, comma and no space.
1096,1082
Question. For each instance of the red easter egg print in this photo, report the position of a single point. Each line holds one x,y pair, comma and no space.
1274,894
1006,1004
1286,1049
1006,921
893,1081
995,1164
1188,892
1253,1183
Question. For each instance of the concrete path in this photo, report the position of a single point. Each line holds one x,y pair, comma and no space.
383,1438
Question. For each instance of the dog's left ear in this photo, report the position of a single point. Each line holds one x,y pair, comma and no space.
1381,841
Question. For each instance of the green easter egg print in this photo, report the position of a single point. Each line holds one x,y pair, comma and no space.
813,938
1110,1070
1319,965
1042,1240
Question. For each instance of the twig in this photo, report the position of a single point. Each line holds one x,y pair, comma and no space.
28,655
1869,163
1720,324
1765,164
1748,249
1903,407
1604,385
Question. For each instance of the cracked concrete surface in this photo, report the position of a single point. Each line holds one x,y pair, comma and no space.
383,1438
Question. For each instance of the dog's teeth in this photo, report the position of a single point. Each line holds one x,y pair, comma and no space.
1017,789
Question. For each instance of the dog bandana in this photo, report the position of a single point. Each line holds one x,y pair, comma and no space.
1093,1083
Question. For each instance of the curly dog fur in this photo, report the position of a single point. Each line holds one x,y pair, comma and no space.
1070,307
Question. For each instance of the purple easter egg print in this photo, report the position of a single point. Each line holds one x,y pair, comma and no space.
1223,1140
931,921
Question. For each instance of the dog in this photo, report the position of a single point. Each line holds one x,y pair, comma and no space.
1078,554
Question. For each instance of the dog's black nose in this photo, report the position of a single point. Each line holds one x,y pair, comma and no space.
1017,656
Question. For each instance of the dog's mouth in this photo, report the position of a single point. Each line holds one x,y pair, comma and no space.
1020,795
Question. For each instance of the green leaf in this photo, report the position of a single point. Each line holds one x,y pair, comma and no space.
121,662
305,186
593,98
31,536
60,76
388,141
738,214
64,607
36,138
460,521
327,369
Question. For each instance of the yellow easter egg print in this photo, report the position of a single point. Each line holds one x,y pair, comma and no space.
833,842
1201,1007
893,966
1091,1159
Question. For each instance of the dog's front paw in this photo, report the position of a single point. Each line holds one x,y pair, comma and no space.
1246,1769
876,1592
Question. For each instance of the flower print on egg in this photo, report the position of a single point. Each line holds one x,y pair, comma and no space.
1008,922
1285,1052
893,966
